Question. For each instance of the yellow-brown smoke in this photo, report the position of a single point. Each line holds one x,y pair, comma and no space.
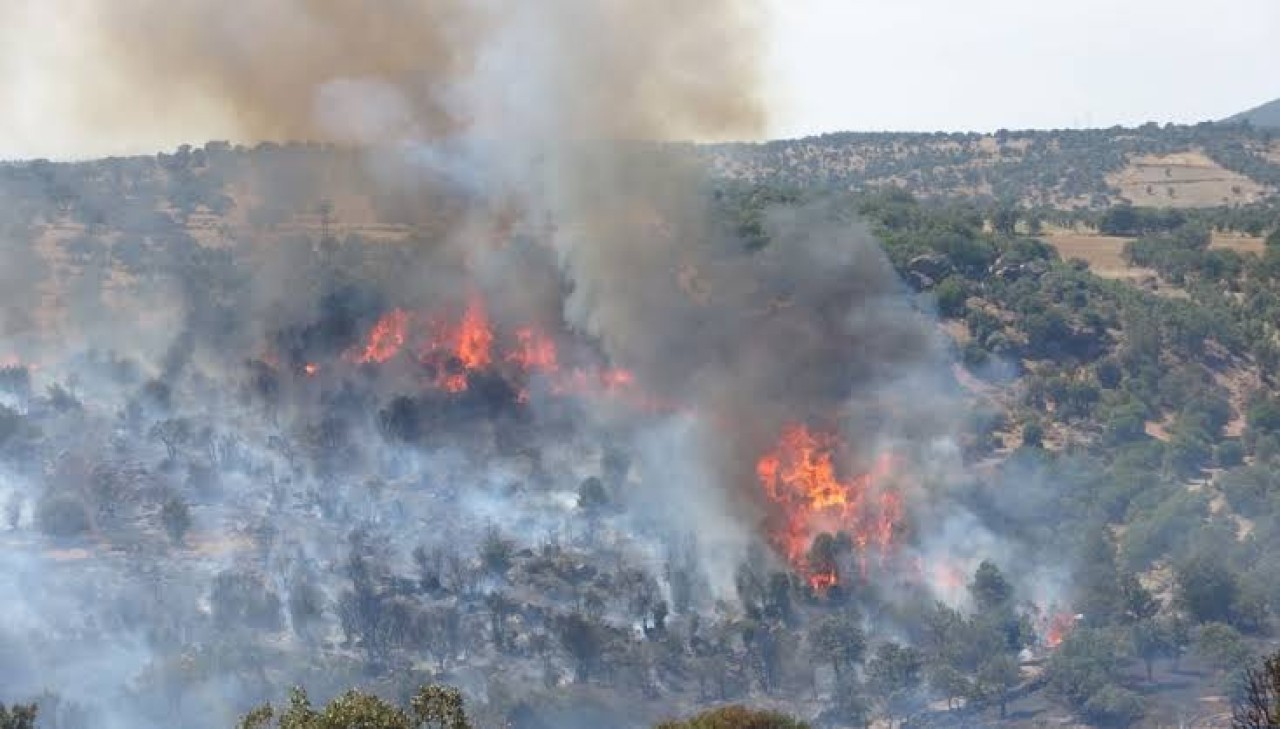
353,71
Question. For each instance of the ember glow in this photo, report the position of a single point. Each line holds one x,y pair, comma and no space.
799,476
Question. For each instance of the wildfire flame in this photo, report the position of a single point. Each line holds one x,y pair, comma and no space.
1059,627
385,340
534,351
799,476
474,338
454,348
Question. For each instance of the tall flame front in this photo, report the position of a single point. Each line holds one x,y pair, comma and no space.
799,477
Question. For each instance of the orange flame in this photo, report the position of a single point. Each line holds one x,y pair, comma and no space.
799,476
1060,626
385,339
534,351
311,369
475,339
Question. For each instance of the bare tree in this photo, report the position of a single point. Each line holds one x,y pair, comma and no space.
1259,704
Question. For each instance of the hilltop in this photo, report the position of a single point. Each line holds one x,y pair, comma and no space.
1264,116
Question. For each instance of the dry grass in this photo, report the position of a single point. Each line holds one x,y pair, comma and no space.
1238,242
1185,180
1103,253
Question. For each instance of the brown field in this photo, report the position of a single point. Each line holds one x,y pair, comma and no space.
1185,180
1103,253
1238,243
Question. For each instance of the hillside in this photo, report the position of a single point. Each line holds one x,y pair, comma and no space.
1264,116
1200,166
958,429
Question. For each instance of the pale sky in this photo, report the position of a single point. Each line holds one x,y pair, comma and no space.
871,65
981,65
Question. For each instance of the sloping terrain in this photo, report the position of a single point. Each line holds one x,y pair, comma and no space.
1266,115
1186,180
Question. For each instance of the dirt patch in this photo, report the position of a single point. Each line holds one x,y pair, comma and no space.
1238,242
1185,180
1103,253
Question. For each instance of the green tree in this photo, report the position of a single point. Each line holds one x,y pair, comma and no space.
838,640
1085,663
432,707
1151,641
1139,603
18,716
996,677
990,590
894,675
735,717
1206,589
1221,645
1113,706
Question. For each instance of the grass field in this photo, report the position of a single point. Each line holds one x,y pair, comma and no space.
1103,253
1186,179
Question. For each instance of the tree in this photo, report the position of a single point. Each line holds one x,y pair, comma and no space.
1032,435
306,606
243,599
432,707
1004,219
176,517
1258,707
173,433
1206,589
1151,641
894,674
735,717
1113,706
496,552
13,510
838,640
581,638
62,516
996,676
18,716
990,590
1139,604
1086,662
592,497
1221,645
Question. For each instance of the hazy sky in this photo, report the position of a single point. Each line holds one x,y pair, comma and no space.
986,64
862,65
